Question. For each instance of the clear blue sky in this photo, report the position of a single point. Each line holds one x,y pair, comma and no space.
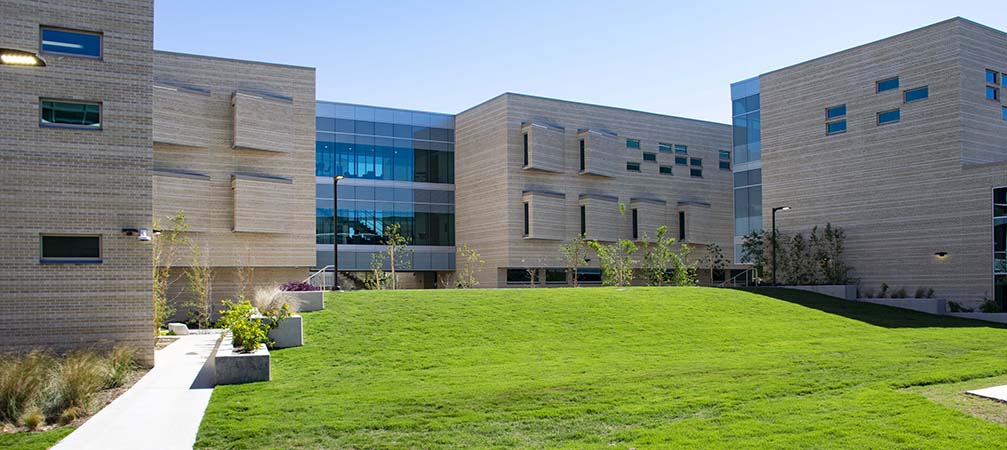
668,57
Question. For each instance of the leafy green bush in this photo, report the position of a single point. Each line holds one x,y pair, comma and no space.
248,333
989,306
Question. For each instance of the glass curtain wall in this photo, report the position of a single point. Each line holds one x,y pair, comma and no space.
1000,246
747,131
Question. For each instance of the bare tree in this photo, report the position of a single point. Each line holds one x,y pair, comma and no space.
166,241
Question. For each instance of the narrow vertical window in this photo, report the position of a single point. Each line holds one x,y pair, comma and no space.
681,226
636,224
527,221
583,165
525,149
583,220
991,76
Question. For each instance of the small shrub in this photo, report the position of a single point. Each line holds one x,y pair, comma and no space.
71,414
248,333
989,306
901,293
79,376
298,286
22,383
884,291
120,364
957,307
33,418
929,293
920,292
869,293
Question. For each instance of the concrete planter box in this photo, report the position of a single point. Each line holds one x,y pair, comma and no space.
989,317
290,333
927,305
843,291
231,367
309,300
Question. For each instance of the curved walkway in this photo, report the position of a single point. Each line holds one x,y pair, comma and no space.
163,410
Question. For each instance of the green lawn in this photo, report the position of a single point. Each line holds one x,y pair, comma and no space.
33,441
600,367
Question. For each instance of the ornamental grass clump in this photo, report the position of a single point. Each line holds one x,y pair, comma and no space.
23,382
80,375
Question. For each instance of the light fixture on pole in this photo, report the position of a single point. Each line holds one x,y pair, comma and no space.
12,57
778,208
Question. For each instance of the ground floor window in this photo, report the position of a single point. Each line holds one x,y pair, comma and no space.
589,276
555,276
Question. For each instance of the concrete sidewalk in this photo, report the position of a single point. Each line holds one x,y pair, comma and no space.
163,410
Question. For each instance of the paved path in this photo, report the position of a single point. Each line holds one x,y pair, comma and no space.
162,411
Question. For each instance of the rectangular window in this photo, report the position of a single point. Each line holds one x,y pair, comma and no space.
650,157
518,276
525,135
555,276
632,166
681,150
725,165
992,93
836,127
636,224
1003,81
694,172
583,163
991,76
888,84
725,160
632,143
527,221
835,111
583,220
1003,113
666,170
681,226
696,162
70,42
664,148
70,249
70,113
912,95
681,160
886,117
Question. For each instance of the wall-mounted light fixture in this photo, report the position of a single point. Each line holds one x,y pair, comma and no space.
12,57
941,254
141,234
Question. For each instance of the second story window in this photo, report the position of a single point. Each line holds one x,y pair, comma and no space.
636,224
912,95
725,160
633,143
633,166
71,42
652,157
66,113
888,84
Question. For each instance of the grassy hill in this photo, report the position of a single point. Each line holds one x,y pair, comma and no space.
601,367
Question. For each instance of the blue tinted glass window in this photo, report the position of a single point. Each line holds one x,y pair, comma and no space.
725,165
664,148
835,127
666,170
1003,113
76,114
696,162
632,143
888,117
681,160
681,150
991,76
752,102
66,42
696,173
912,95
992,93
633,166
889,84
650,156
738,107
835,111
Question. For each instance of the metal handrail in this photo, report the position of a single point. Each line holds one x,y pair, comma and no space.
743,273
311,278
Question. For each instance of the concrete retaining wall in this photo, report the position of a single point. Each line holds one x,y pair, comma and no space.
927,305
309,300
843,291
239,368
988,317
289,333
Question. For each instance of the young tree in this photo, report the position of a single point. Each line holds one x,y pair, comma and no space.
163,251
616,261
575,256
471,265
683,273
246,274
714,260
377,279
657,256
798,263
828,251
395,247
200,276
753,251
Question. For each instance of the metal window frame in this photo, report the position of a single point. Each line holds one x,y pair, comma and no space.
101,114
101,42
877,84
70,260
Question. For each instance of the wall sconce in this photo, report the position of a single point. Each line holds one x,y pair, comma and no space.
941,254
142,233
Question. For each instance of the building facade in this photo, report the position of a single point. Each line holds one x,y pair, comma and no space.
902,143
533,173
75,159
397,167
234,151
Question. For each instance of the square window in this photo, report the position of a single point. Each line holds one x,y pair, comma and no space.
664,148
70,42
681,150
652,157
724,155
681,160
835,111
696,162
725,165
70,249
913,95
992,93
992,76
632,143
888,84
633,166
698,173
665,170
887,117
64,113
836,127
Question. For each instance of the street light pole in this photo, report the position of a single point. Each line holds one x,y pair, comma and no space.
778,208
335,231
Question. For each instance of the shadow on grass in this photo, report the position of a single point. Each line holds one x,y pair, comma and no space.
877,315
